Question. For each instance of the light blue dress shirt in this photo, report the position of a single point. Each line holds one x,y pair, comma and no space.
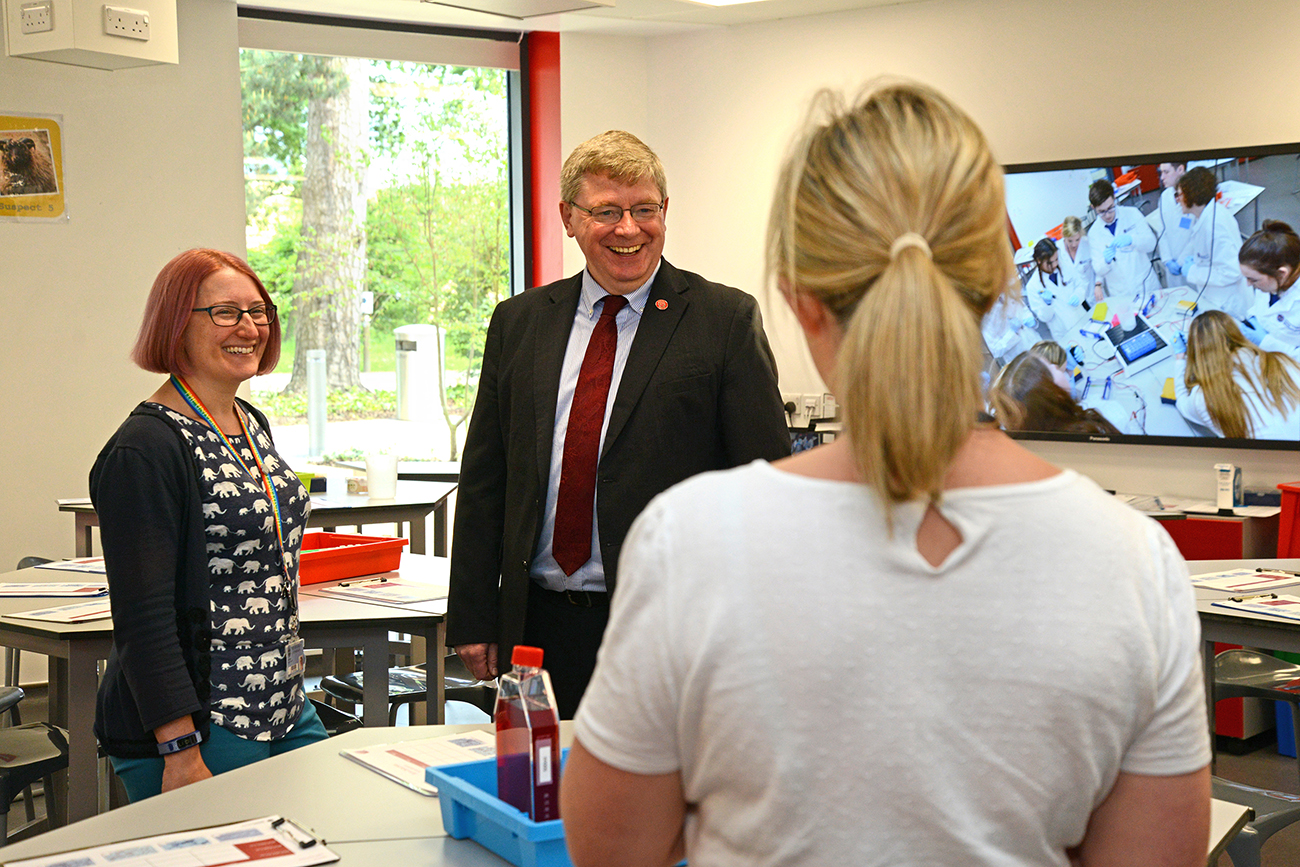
591,575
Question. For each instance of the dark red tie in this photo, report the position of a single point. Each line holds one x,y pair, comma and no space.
571,541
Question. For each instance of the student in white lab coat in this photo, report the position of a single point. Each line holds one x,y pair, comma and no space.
1175,226
1233,387
1029,394
1210,264
1270,262
1076,256
1052,299
1060,366
1009,328
1122,243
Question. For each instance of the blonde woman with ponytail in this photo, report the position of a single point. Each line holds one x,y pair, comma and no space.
878,651
1233,387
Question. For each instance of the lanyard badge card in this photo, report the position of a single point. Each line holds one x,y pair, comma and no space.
295,658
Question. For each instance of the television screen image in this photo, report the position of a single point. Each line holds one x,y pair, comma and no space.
802,440
1114,264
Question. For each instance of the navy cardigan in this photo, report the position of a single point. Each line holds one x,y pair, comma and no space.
145,488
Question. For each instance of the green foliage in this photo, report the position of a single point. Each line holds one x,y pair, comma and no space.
276,89
458,394
342,455
440,237
383,354
340,405
386,131
275,264
393,279
437,230
383,350
353,455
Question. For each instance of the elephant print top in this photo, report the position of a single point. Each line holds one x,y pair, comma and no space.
254,591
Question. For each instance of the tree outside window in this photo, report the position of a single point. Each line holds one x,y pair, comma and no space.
377,196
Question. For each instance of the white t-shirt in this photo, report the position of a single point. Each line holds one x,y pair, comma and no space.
831,698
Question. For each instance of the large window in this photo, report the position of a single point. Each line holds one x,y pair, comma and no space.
378,215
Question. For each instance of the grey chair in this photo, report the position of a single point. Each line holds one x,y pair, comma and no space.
28,753
1244,673
407,684
1273,811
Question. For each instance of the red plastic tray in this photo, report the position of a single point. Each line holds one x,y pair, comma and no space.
332,556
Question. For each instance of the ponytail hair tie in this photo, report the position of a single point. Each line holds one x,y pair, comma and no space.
909,239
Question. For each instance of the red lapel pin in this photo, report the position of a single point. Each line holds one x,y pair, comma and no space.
661,304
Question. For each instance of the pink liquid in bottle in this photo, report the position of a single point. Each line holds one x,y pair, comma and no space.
527,736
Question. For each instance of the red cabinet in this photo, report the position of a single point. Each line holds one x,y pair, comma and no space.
1209,537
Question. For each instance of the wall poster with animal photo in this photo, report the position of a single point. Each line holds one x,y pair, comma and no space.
31,167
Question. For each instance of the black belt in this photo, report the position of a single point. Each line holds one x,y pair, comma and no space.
577,598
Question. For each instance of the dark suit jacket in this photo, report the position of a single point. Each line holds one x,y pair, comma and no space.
699,392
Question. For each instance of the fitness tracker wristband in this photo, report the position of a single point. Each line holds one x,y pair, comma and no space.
184,742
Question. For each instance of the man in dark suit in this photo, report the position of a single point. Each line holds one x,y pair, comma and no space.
691,387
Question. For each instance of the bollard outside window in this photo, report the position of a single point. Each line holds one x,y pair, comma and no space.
316,391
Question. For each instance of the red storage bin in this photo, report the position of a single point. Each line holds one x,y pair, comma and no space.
1288,528
333,556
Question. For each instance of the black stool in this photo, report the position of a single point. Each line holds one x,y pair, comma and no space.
409,683
28,753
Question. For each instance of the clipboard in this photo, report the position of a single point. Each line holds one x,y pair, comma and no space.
1244,580
391,591
1285,607
93,565
271,841
404,763
58,589
81,612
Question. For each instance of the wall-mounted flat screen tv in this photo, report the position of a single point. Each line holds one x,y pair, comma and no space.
1115,266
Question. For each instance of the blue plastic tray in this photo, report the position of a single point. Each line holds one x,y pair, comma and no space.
467,795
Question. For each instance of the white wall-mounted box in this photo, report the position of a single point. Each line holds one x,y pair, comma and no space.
77,36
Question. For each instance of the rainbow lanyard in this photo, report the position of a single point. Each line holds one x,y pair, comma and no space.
188,395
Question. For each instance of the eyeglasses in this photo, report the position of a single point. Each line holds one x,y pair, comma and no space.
608,215
227,315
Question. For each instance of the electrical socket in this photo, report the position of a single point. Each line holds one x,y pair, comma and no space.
791,402
829,409
806,408
37,17
130,23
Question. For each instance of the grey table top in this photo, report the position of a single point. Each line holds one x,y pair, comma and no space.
364,817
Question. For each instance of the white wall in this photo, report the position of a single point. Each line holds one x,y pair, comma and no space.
1046,81
153,165
603,81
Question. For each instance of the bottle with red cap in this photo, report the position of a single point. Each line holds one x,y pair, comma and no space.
528,737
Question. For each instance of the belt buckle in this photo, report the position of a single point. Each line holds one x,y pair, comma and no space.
580,598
